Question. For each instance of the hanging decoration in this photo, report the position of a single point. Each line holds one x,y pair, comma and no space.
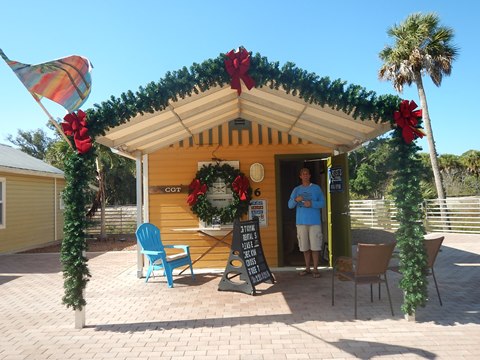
240,185
407,119
237,64
76,125
195,189
203,181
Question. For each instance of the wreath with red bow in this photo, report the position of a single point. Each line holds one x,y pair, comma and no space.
234,179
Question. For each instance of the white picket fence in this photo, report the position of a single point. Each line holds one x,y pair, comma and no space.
455,215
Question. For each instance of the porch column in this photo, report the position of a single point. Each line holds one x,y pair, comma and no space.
138,163
146,197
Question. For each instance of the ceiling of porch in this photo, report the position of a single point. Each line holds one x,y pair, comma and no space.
273,108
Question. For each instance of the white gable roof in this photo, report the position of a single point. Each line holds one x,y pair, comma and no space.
274,108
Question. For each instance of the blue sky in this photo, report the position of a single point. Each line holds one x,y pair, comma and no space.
132,43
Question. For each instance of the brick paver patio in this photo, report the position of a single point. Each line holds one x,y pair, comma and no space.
292,319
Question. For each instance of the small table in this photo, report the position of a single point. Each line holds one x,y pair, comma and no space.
218,234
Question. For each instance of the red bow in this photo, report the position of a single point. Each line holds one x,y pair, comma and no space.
196,188
237,65
407,119
76,125
240,185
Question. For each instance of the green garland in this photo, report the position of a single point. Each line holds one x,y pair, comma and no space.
155,96
410,234
352,99
205,210
75,270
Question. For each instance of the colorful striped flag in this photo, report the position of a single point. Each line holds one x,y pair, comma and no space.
66,81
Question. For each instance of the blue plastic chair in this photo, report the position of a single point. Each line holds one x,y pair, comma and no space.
148,235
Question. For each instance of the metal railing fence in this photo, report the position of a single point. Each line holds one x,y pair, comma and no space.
455,215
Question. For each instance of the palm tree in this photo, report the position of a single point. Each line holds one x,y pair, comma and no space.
471,160
449,163
421,46
451,169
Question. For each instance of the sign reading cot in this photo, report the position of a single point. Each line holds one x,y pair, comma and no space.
168,189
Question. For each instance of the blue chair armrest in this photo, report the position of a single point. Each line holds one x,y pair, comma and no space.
151,252
184,247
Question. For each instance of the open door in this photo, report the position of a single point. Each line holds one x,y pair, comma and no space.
338,197
287,177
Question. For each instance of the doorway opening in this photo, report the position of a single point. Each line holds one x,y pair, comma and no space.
288,169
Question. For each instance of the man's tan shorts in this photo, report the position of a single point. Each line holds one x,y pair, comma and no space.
309,237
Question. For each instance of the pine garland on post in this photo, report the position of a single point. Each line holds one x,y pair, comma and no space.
74,246
410,234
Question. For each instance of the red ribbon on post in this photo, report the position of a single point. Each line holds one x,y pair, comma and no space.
407,119
237,64
240,185
76,125
196,188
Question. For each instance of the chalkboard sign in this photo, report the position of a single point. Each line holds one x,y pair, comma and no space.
246,260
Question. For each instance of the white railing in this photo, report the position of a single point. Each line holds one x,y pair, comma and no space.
374,214
118,220
456,215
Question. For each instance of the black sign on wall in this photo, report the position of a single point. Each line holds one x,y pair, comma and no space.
246,266
335,179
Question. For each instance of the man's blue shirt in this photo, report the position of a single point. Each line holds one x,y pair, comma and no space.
310,215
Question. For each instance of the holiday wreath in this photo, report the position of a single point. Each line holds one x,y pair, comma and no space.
234,179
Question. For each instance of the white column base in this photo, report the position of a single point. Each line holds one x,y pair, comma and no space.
410,318
80,318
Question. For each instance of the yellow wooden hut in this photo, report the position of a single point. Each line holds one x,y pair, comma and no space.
287,119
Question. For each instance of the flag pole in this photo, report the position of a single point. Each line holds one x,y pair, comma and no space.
50,118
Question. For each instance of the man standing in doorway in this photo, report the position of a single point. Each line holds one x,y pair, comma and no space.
308,199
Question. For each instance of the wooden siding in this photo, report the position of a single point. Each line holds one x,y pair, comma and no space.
177,165
30,209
